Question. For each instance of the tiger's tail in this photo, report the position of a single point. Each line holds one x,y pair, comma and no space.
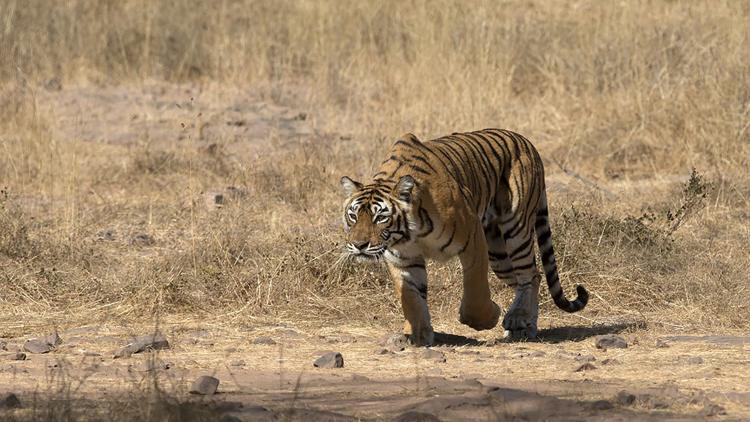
544,240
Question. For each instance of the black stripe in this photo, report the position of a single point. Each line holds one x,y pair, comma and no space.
426,221
524,267
442,248
544,236
521,247
501,256
424,160
419,169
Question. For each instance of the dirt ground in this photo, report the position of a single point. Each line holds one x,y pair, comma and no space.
473,376
266,372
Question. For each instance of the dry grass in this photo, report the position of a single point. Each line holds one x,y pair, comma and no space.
617,94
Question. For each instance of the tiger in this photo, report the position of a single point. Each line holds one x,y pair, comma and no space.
477,195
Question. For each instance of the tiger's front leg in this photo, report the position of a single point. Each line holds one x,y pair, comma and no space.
410,279
478,311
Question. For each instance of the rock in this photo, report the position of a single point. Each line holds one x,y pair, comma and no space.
432,354
625,398
142,344
213,200
585,358
37,346
383,351
18,356
3,345
610,361
264,340
205,385
661,343
396,342
238,362
414,416
602,405
330,360
142,239
713,410
9,401
652,402
107,235
53,85
53,339
610,341
694,360
585,367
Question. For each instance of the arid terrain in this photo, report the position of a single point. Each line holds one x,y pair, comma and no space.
176,170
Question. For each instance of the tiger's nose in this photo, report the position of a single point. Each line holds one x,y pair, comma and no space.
361,245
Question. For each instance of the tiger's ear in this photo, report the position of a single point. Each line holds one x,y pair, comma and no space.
350,185
404,188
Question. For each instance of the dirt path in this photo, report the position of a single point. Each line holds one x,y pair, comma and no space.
267,373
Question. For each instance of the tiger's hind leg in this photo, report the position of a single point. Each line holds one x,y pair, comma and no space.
513,261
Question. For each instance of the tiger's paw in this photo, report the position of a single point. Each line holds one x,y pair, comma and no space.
519,325
480,320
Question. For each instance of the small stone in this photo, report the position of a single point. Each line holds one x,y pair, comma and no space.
53,339
264,340
610,361
431,354
37,346
414,416
205,385
695,360
610,341
238,362
585,358
213,200
537,354
383,351
3,345
142,239
396,343
713,410
107,235
585,367
625,398
9,401
330,360
661,343
53,85
18,356
142,344
602,405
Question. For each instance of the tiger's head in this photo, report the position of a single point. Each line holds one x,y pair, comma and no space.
377,216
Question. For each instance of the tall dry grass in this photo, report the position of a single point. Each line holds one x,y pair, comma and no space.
614,93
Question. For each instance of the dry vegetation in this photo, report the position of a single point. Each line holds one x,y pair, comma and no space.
627,97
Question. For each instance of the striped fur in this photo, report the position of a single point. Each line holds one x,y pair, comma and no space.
479,196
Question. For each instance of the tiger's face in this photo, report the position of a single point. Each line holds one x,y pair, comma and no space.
376,216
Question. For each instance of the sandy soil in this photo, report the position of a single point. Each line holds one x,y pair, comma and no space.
481,378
